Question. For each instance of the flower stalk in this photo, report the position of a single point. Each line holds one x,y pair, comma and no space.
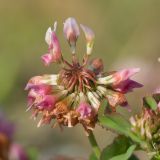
94,144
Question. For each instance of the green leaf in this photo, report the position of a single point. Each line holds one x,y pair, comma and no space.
156,157
93,157
126,155
116,122
150,102
121,148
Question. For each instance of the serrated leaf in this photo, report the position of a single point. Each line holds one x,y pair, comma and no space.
150,102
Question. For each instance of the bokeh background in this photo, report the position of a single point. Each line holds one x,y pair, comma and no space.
127,35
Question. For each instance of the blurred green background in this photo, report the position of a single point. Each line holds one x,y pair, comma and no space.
127,35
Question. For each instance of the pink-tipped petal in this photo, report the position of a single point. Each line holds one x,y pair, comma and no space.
36,80
47,59
71,32
90,36
37,91
84,109
124,75
54,48
127,86
48,102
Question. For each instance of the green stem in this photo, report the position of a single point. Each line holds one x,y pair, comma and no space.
94,145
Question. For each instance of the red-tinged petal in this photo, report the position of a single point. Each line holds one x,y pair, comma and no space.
17,153
54,54
127,86
84,109
43,89
36,91
48,102
124,75
42,80
47,59
116,98
55,48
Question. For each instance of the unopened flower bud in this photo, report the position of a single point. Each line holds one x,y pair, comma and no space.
96,65
89,34
71,32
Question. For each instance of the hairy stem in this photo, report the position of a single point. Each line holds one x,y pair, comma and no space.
94,145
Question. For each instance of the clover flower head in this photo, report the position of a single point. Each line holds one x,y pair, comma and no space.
74,95
147,123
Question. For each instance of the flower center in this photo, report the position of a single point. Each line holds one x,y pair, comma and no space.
77,78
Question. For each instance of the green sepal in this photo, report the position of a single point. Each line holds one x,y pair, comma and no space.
150,102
